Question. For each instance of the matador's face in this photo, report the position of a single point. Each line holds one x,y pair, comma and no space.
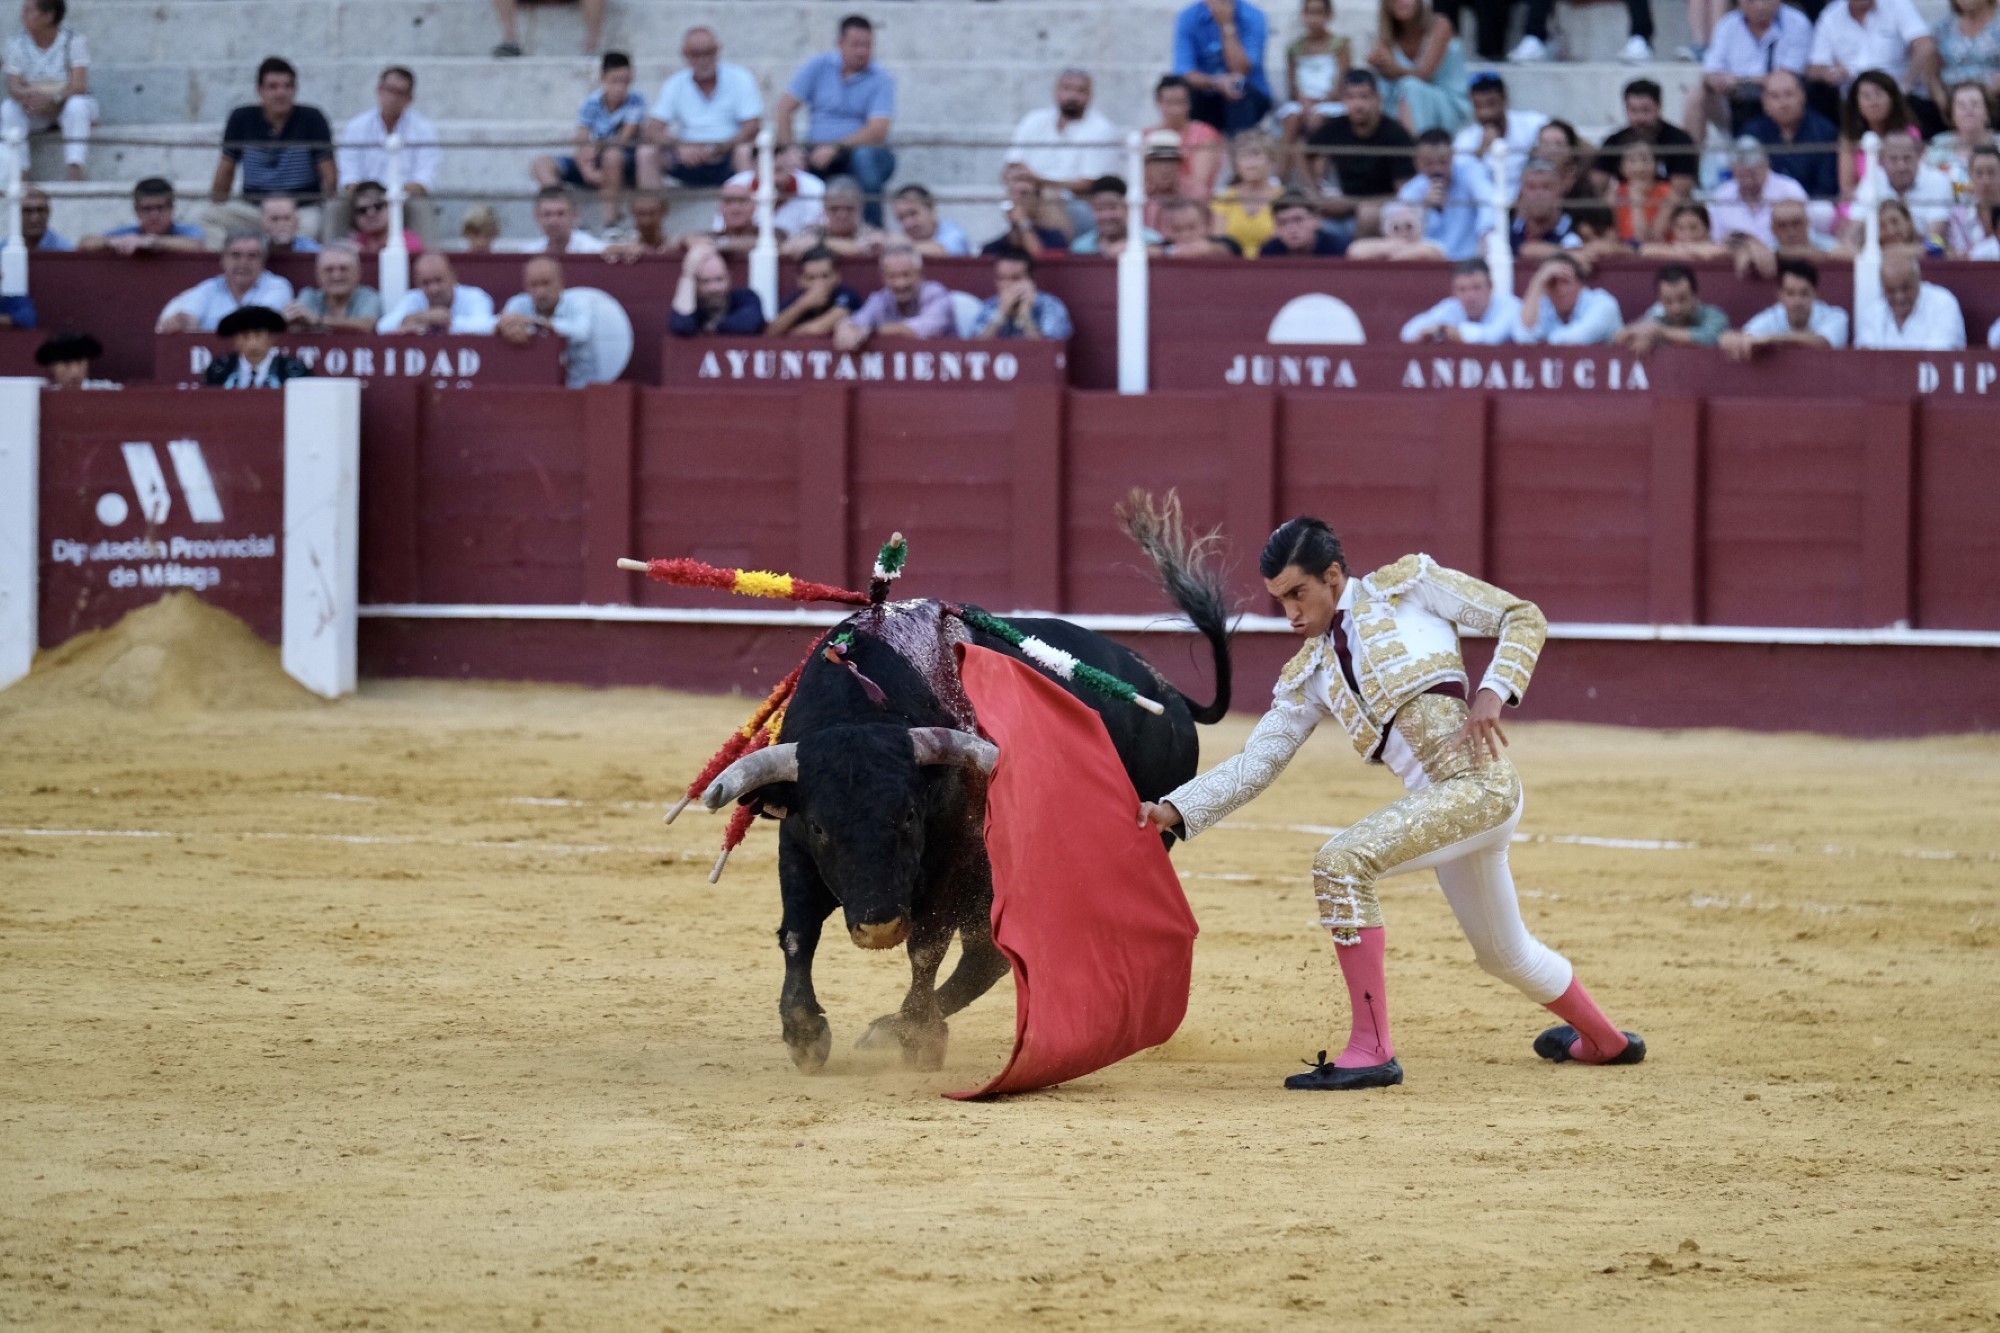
1308,600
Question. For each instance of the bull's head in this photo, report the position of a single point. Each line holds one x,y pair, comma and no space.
862,802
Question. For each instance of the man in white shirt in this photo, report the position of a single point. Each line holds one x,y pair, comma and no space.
47,66
362,153
1473,313
1492,120
439,303
1068,145
243,281
1911,315
555,218
1799,319
1741,206
1856,35
1923,189
547,307
705,118
1757,38
1564,312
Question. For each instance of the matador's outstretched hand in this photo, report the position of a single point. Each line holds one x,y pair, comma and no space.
1482,731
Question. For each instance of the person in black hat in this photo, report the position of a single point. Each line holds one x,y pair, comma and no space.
66,358
256,363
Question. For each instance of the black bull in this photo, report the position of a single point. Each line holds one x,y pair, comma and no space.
882,806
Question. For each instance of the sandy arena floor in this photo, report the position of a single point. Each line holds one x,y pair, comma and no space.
409,1012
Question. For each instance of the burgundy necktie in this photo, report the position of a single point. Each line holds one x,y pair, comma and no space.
1340,647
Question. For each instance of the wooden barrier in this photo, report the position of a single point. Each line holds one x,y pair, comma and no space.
447,361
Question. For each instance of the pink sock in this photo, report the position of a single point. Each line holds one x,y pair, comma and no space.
1362,966
1597,1039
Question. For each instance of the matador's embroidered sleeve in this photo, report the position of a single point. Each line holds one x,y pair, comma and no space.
1207,800
1518,624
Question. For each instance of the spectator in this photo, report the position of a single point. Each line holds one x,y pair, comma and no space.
1968,49
1541,225
706,303
1184,226
1363,161
1752,42
1026,226
1018,308
605,155
852,106
1534,44
546,308
821,302
18,312
1421,65
1690,236
1741,206
705,117
1563,148
1639,205
480,229
1219,50
154,227
1243,211
510,32
649,234
278,216
1566,312
1163,172
243,281
368,204
1971,128
1803,143
1914,183
1067,146
844,230
1911,315
1791,227
253,138
1300,233
47,65
1473,313
1856,35
36,233
256,363
1974,230
1873,103
1198,146
1899,232
1673,147
1315,63
1453,191
555,218
916,213
66,359
735,228
340,303
906,306
1679,316
1494,121
1799,319
363,154
1402,236
440,303
1113,231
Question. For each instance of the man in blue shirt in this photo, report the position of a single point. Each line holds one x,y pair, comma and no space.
1561,311
852,102
282,147
1219,50
1018,308
1455,193
706,303
1801,140
155,228
1473,313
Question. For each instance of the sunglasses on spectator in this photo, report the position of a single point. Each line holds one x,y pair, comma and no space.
368,210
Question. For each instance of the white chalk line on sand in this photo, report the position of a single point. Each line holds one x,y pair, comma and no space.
1665,844
368,840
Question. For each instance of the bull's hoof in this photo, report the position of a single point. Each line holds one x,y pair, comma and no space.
810,1043
922,1046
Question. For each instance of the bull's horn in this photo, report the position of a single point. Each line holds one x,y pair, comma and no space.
760,768
946,745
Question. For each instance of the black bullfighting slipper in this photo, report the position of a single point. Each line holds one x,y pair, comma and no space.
1554,1045
1323,1077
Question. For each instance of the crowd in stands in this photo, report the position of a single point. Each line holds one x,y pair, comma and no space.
1340,151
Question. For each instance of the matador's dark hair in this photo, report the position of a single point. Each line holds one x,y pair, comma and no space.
1306,542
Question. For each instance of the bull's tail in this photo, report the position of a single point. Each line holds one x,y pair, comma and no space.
1187,572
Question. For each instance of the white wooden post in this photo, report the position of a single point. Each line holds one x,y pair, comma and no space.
322,533
20,516
1868,264
1500,240
764,254
14,255
392,266
1134,314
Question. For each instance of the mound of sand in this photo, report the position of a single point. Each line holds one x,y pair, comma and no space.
178,654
